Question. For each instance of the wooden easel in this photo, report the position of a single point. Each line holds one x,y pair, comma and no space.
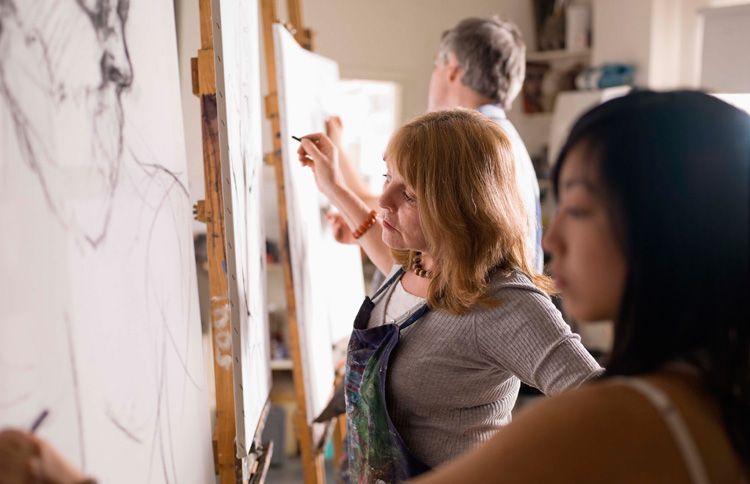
311,450
228,466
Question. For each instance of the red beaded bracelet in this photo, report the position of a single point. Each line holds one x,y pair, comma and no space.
369,222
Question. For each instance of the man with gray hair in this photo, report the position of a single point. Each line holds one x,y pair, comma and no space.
480,64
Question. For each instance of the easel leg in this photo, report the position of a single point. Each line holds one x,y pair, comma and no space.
313,464
339,434
225,425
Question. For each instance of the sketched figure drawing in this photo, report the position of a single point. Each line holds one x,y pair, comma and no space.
102,322
41,42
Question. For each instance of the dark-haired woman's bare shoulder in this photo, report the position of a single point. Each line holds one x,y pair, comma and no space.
601,432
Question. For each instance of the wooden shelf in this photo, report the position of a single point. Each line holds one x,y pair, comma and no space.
554,55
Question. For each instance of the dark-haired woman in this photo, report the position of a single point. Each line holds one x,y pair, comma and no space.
652,232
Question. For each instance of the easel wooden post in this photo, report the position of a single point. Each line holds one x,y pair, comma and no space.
210,211
339,434
312,456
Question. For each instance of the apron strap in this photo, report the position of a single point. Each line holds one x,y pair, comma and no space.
414,317
388,283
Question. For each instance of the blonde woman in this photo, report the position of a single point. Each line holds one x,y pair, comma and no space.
437,354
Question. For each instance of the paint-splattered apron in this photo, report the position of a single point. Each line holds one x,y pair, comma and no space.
376,451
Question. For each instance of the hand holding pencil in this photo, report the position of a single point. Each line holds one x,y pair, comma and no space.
26,459
318,152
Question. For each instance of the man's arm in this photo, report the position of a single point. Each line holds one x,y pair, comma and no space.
352,179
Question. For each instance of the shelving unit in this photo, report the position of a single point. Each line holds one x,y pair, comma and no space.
548,77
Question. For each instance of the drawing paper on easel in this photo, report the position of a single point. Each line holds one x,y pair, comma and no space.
100,314
328,282
236,45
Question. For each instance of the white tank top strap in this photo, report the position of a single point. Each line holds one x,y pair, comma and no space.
676,424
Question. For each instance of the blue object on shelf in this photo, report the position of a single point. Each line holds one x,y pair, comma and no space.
606,75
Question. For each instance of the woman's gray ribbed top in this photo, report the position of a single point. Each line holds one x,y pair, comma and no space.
453,380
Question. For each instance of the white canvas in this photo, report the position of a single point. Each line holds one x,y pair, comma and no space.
328,283
237,49
100,316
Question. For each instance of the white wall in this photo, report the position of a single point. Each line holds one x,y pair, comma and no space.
666,46
646,33
622,33
691,36
726,37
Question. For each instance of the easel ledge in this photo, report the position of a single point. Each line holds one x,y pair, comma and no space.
259,458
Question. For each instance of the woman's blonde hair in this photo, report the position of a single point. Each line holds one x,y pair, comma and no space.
461,168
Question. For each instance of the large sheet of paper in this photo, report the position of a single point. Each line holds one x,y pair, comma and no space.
237,49
99,321
328,283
